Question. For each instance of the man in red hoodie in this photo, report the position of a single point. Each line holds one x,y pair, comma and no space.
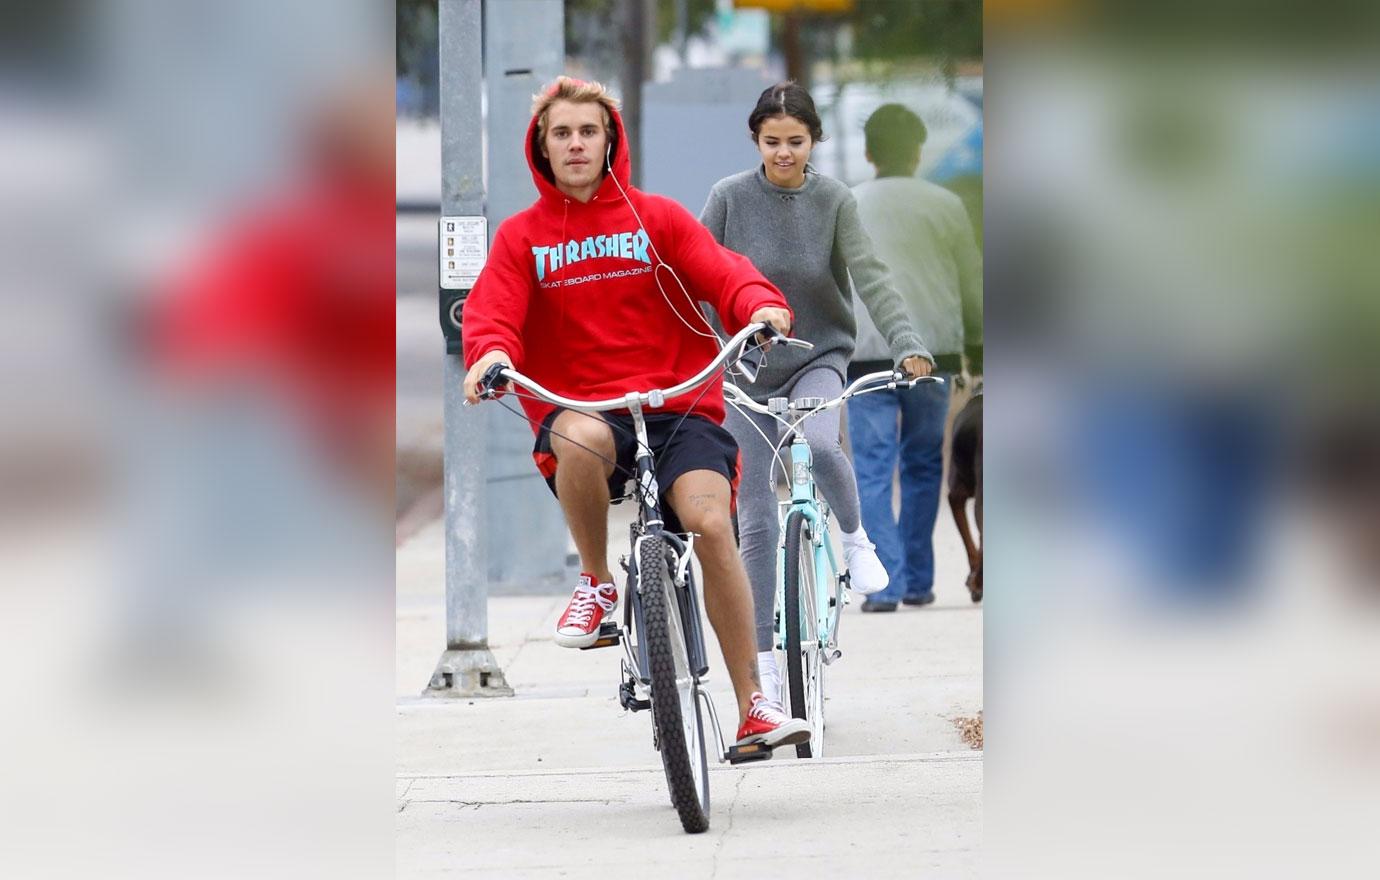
570,296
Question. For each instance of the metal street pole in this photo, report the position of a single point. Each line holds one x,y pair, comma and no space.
639,25
467,668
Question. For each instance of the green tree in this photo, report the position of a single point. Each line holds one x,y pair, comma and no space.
892,30
415,37
888,33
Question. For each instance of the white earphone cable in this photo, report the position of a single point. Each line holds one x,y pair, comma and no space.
660,264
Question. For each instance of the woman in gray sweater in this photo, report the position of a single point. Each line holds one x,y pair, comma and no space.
801,230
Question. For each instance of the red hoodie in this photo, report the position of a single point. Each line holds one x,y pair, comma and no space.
570,292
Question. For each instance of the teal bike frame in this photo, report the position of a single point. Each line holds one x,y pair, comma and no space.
815,619
805,499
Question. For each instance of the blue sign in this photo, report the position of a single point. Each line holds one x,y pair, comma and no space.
962,159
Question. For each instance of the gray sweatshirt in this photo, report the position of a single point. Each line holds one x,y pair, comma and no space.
808,242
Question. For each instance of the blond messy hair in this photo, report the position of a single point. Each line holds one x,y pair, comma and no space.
577,91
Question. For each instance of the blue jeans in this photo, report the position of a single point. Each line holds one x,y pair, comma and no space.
905,426
1182,478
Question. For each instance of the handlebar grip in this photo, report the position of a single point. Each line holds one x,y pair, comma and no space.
768,333
910,382
492,381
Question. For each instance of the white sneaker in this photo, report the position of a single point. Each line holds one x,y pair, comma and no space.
866,573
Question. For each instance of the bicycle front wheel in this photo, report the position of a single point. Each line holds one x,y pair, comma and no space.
804,662
675,693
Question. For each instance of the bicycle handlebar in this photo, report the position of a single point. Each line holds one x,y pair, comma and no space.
652,399
882,381
750,360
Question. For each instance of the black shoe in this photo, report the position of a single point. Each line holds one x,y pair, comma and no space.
869,607
923,599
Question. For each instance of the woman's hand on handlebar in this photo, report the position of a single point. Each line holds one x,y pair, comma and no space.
481,366
916,367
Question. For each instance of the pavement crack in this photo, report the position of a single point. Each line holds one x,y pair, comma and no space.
732,805
402,796
477,804
526,640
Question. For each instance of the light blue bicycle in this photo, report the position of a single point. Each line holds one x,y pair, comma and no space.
810,589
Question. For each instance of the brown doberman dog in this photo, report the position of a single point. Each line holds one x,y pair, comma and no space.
965,482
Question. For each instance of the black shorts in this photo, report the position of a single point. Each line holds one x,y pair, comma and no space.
697,444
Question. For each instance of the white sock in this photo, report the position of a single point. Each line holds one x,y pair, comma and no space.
768,674
858,537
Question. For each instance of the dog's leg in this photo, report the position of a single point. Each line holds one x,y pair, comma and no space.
975,579
977,467
958,506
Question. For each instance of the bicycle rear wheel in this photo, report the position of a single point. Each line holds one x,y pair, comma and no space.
675,693
804,662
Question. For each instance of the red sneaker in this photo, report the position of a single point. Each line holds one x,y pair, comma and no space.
579,625
769,724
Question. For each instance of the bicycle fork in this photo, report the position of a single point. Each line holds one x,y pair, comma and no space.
635,664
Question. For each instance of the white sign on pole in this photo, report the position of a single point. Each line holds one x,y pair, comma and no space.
464,248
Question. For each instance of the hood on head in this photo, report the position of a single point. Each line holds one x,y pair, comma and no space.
545,179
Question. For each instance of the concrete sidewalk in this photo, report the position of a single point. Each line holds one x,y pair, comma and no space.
560,781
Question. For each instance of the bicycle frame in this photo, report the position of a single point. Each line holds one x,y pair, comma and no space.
649,523
805,498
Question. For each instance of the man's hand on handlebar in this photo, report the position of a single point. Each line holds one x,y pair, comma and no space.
481,366
778,319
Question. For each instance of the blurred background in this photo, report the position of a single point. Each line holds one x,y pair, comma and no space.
1183,662
196,448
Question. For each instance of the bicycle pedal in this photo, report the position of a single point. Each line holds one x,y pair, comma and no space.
610,634
746,754
627,698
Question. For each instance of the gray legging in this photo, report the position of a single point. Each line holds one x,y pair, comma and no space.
758,529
